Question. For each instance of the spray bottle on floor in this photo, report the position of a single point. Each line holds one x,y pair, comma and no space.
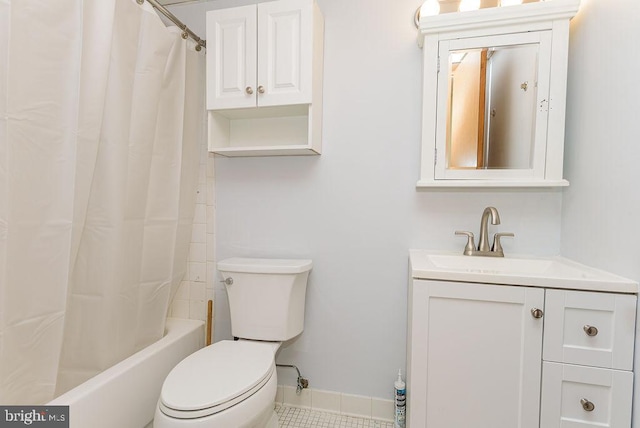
400,402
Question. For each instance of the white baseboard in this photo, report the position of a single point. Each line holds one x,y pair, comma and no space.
336,402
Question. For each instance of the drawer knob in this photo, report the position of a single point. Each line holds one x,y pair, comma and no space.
537,313
249,90
587,405
590,330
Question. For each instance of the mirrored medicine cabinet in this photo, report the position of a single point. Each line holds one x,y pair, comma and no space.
494,94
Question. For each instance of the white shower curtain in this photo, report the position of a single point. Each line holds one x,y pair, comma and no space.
101,127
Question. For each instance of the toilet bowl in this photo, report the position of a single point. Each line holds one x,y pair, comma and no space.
232,384
227,384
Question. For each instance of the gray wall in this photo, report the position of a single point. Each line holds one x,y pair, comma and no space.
355,210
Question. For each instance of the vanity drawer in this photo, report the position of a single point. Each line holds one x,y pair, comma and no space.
592,329
577,396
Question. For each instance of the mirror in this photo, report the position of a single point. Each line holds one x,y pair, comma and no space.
494,96
491,109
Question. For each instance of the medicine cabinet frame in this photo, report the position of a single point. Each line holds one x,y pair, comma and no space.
545,24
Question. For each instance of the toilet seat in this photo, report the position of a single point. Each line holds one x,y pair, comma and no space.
216,378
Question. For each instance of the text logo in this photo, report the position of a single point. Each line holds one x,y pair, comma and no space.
34,416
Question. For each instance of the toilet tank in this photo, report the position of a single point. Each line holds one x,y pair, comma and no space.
266,296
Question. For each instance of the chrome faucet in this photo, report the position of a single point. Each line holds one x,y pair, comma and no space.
483,246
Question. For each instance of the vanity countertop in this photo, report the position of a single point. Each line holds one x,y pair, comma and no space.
549,272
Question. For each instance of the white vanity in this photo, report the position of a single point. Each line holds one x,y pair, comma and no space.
518,342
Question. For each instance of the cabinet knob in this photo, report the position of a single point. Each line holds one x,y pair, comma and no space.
590,330
261,89
249,90
587,405
537,313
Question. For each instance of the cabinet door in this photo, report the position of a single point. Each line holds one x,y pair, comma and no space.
510,140
231,58
474,355
285,46
579,396
592,329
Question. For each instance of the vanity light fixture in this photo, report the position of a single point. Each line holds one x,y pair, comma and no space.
466,5
428,8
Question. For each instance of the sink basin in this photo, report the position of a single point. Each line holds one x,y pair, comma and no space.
496,265
555,272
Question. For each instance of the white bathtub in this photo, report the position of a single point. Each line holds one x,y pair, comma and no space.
125,395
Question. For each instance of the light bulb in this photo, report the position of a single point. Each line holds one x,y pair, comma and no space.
430,8
510,2
466,5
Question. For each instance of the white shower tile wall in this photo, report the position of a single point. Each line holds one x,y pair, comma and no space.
197,286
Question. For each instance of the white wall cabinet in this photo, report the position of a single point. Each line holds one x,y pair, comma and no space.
262,55
486,356
505,125
264,79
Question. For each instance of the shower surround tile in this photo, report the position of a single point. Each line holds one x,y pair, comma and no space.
180,308
183,291
197,272
197,310
199,233
200,214
198,252
201,194
198,284
197,291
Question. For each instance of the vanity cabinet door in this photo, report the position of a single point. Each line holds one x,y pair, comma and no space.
474,355
579,396
592,329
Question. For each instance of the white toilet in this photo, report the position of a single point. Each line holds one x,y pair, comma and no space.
232,384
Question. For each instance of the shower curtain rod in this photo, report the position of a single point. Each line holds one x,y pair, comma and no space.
186,32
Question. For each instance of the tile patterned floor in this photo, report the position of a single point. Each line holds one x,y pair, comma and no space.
292,417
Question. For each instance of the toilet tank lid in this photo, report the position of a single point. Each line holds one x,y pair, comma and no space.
256,265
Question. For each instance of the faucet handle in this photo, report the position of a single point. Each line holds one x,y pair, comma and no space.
497,246
471,245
